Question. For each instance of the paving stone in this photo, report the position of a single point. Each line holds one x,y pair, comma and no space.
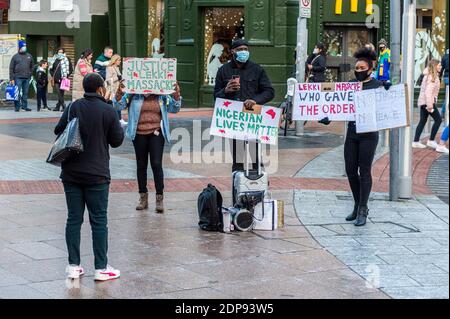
398,270
440,292
39,270
431,279
8,278
38,250
68,289
8,256
21,292
27,235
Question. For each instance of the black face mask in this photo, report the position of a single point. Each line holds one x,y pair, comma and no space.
362,75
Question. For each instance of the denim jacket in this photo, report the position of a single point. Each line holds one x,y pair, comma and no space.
166,102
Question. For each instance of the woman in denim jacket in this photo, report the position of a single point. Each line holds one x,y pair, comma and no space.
149,129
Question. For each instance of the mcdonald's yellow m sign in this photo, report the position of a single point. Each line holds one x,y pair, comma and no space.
354,6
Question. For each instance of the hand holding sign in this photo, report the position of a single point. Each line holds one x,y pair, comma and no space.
176,95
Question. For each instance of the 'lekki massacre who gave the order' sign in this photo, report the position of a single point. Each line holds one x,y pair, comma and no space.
149,75
316,101
231,120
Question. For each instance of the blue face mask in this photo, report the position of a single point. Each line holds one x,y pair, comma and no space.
242,56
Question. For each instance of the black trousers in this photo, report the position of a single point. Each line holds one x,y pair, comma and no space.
153,146
436,115
41,97
359,153
61,104
95,198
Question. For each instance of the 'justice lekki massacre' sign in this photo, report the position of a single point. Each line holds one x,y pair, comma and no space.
316,101
149,75
231,120
381,109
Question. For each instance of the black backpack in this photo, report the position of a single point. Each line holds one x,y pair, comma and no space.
210,209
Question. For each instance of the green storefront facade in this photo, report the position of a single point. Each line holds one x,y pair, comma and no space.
197,31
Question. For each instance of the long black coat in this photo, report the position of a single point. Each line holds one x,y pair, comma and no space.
319,67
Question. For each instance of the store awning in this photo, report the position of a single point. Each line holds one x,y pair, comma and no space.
4,4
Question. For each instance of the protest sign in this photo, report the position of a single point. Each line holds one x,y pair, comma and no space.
381,109
9,46
231,120
149,75
315,101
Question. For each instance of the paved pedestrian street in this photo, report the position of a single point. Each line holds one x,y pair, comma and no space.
403,251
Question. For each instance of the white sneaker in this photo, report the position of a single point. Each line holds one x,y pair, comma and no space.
74,272
418,145
106,274
442,149
432,144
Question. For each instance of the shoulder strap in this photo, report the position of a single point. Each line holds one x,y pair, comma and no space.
68,111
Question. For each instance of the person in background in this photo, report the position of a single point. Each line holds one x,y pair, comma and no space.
103,61
83,68
243,80
441,148
444,64
384,62
86,176
359,150
42,85
429,92
61,69
20,72
316,64
149,129
114,77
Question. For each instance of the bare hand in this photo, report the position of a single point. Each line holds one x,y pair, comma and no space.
233,86
430,109
249,104
310,66
176,95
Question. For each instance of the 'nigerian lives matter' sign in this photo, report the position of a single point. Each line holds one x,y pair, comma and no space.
231,120
316,101
149,75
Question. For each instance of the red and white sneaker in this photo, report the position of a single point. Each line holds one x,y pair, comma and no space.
106,274
74,272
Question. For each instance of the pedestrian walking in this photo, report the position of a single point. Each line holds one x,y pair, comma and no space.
83,68
103,61
316,65
429,91
149,129
86,176
61,69
114,77
359,150
42,85
243,80
384,62
442,144
20,72
445,67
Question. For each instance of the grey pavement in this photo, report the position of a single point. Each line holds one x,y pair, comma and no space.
403,250
438,178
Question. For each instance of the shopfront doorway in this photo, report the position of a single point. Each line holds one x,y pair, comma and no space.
342,43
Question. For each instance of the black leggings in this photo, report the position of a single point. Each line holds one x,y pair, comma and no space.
145,145
436,115
359,153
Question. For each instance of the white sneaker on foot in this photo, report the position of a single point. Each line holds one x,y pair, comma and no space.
106,274
442,149
74,272
418,145
432,144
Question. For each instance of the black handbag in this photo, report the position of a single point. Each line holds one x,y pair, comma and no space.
68,144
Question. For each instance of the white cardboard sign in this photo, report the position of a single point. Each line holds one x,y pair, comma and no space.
316,101
231,120
381,109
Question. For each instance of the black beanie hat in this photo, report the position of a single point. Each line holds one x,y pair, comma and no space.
237,43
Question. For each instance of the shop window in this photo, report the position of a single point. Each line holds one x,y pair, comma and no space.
333,40
156,28
4,16
222,26
356,39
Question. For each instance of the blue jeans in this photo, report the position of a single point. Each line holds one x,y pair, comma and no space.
445,101
95,197
24,88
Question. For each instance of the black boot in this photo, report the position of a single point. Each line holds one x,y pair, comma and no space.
353,215
361,219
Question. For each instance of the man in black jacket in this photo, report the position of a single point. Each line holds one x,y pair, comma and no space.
20,71
86,176
243,80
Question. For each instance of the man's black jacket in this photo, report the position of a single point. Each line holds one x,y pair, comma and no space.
255,84
99,128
